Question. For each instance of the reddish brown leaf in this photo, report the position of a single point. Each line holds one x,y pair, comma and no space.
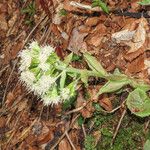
106,103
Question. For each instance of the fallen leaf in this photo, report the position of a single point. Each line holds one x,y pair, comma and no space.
136,65
10,99
106,103
76,41
87,111
64,145
92,21
133,36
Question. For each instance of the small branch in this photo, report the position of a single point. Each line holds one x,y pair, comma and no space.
76,110
83,128
70,141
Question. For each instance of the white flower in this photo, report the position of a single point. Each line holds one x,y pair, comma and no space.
25,59
28,78
45,53
47,100
34,45
65,93
44,66
44,84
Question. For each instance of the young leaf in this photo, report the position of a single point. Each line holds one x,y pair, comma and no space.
94,64
139,103
112,86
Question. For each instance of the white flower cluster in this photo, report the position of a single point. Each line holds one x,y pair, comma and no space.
39,74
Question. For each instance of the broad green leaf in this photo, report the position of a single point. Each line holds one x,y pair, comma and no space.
139,103
63,79
147,145
112,86
68,59
94,64
117,76
144,2
140,84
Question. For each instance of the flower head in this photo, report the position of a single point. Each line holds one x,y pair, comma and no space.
45,53
48,100
39,72
34,45
52,97
44,84
27,77
26,59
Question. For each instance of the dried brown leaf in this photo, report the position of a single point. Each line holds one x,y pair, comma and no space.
106,103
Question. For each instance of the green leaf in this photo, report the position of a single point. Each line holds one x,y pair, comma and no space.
147,145
100,4
116,76
144,2
112,86
63,79
139,103
94,64
68,59
141,85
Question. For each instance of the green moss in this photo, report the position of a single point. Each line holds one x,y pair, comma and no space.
129,137
89,143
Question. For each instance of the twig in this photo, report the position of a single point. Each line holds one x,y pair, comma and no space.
77,109
67,130
83,130
112,111
118,126
70,141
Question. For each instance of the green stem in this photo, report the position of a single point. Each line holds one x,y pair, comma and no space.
79,71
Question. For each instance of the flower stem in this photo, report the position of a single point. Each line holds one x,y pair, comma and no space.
79,71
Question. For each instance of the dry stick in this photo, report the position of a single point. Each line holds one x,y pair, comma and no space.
70,141
118,126
83,128
77,109
14,66
54,146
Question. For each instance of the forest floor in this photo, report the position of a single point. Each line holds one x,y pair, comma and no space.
25,124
